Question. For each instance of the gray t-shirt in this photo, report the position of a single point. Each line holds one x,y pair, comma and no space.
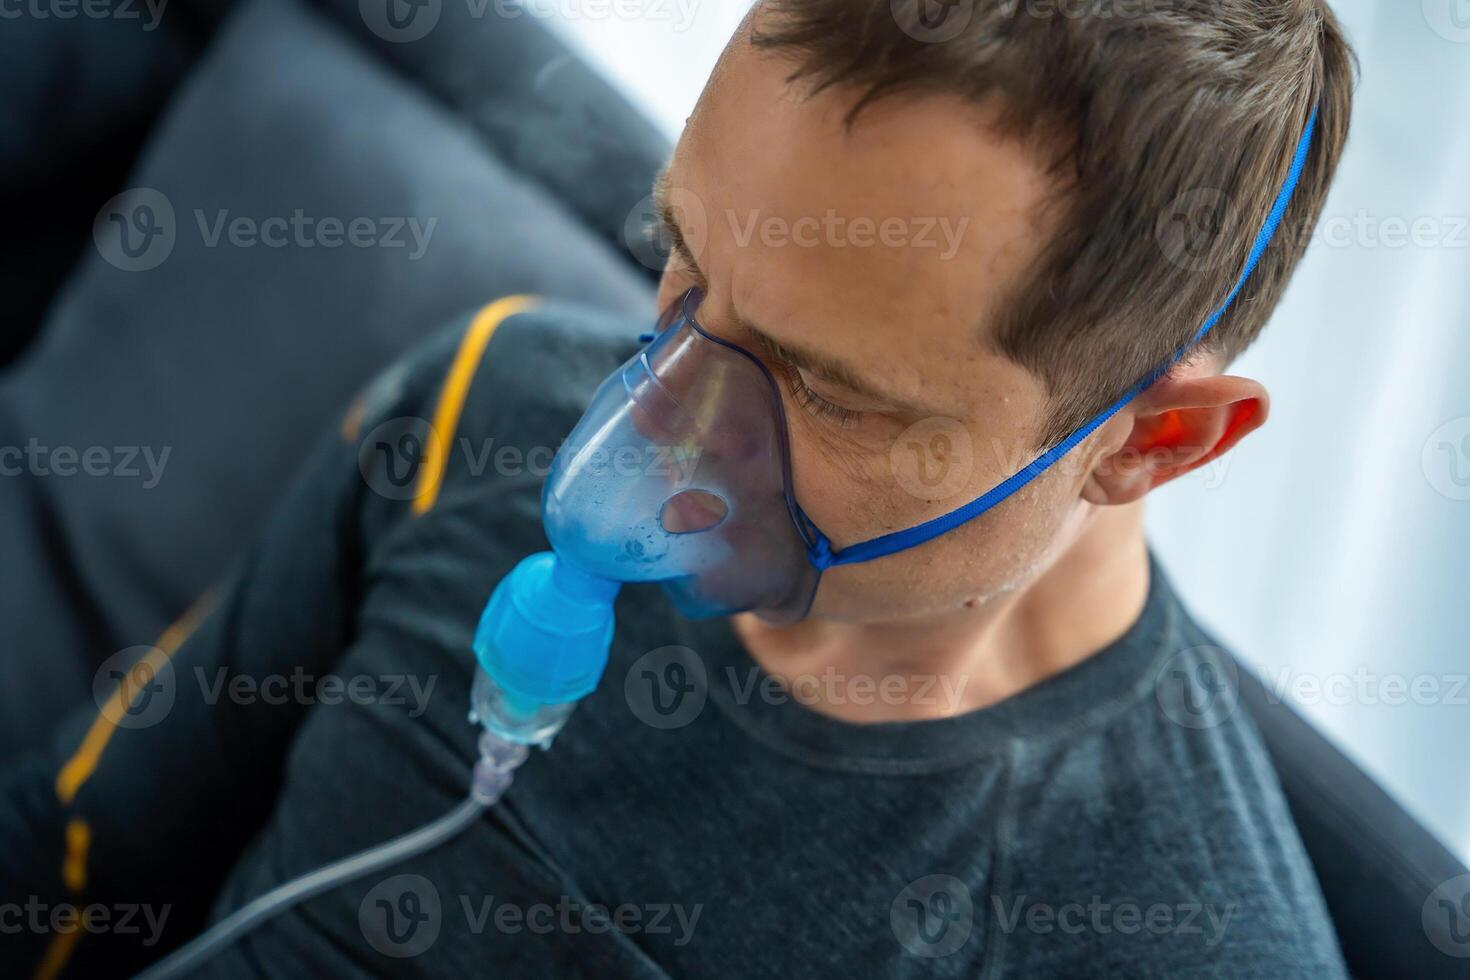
695,819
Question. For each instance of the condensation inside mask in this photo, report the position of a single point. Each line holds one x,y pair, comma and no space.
679,473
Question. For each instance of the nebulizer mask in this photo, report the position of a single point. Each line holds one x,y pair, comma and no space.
678,474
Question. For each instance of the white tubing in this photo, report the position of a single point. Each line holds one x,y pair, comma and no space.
272,903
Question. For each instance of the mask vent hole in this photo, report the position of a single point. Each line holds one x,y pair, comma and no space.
692,511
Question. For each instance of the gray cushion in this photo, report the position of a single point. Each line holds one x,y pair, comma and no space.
234,359
80,95
539,106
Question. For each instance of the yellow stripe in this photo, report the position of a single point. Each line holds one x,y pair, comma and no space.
80,767
456,389
83,763
74,865
352,420
58,951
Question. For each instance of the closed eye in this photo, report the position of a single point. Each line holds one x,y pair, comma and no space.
811,402
818,406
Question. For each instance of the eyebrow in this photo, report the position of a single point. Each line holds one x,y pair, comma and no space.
831,369
834,371
668,217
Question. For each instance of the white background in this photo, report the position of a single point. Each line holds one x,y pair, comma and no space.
1332,545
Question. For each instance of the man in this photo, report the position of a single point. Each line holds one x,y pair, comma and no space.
1007,750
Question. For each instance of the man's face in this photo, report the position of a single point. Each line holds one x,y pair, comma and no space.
865,266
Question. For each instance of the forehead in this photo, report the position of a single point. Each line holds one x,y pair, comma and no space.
895,238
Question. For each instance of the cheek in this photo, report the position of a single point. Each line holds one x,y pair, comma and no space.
844,489
669,288
674,282
857,485
879,482
988,558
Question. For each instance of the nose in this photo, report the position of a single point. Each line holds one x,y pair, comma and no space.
688,393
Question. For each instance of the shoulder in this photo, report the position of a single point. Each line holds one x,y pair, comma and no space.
522,352
1164,832
490,394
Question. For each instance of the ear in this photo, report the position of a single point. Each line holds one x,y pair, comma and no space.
1178,424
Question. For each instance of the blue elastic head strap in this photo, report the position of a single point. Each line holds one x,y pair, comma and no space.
820,551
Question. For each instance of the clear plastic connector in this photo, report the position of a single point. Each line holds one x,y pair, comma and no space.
515,719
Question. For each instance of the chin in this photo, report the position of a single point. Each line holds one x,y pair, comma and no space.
843,597
895,602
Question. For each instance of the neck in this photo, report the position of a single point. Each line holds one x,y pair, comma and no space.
974,656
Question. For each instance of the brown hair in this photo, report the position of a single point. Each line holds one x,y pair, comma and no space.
1170,126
